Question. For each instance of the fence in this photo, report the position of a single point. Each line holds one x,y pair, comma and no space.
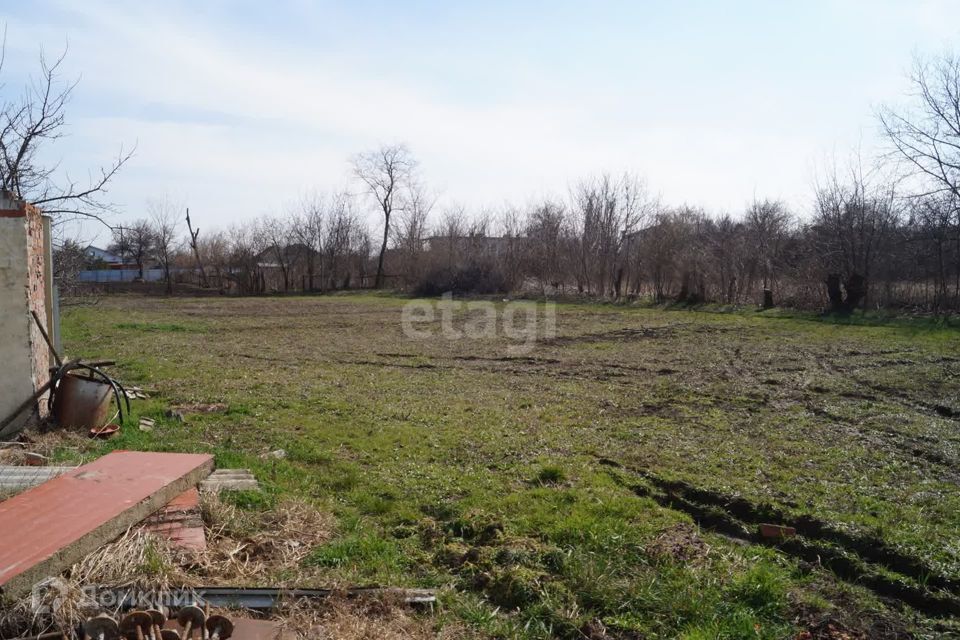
120,275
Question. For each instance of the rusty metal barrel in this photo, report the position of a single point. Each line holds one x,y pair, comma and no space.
82,402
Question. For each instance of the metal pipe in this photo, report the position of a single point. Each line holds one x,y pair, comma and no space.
267,598
46,338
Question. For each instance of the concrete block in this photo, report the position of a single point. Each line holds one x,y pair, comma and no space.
55,524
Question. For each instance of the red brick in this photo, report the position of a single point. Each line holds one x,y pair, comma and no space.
180,521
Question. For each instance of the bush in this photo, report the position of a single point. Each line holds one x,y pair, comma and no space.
476,278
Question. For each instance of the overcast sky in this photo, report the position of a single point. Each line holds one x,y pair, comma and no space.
237,108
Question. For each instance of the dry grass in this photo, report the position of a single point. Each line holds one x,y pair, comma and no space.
45,444
137,559
340,619
245,547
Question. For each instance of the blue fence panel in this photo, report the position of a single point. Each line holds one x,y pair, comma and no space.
120,275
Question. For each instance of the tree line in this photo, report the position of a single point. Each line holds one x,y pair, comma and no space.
866,244
880,233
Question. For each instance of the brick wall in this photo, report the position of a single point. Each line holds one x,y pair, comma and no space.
24,356
37,298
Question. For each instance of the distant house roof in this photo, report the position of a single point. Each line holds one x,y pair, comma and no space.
96,253
291,253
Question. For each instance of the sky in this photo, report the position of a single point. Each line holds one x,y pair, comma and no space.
239,108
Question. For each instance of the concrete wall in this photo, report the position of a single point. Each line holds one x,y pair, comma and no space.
24,356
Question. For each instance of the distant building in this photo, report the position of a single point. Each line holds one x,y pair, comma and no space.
96,255
292,254
106,266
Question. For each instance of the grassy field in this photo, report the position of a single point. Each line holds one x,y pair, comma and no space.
607,483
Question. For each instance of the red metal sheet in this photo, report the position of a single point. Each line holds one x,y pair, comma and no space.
49,525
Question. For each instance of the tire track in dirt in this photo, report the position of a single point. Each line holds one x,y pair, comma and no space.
890,393
892,439
544,367
852,557
625,334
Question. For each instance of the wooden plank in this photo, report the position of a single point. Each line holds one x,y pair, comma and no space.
53,525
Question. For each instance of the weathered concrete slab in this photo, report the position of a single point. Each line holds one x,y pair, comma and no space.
230,479
14,478
53,525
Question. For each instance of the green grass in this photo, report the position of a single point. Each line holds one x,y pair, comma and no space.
457,464
151,326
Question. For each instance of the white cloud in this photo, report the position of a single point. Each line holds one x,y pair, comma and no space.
237,124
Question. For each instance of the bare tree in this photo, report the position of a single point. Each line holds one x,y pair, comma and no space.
134,241
768,223
277,233
927,134
410,232
120,243
388,174
27,124
69,259
307,228
608,211
732,264
510,248
215,251
548,242
245,248
933,218
854,218
192,234
344,240
163,218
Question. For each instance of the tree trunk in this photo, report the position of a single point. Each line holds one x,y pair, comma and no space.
835,293
768,299
378,282
684,288
856,291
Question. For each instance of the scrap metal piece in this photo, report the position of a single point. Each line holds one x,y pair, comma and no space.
219,627
102,627
191,617
265,599
159,618
82,402
136,625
